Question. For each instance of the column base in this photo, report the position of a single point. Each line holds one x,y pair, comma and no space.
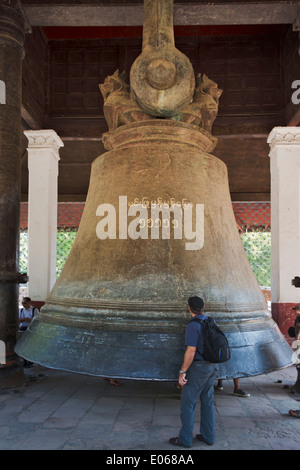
13,375
284,315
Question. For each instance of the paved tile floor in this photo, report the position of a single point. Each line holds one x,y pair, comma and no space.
57,410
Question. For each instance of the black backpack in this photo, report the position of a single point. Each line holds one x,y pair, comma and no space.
216,347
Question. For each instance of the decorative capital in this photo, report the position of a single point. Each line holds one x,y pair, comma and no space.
284,136
45,138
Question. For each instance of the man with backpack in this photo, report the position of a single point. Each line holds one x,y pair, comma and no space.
26,313
196,378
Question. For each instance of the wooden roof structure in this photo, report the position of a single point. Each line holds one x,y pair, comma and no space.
250,48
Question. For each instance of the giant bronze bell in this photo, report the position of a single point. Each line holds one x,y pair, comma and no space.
157,227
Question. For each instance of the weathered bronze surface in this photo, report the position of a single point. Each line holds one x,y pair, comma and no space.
119,306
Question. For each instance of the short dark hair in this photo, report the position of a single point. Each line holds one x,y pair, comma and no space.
196,304
27,298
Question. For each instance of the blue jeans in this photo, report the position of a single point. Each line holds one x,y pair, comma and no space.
200,377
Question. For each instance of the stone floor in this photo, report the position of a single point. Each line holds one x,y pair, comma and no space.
57,410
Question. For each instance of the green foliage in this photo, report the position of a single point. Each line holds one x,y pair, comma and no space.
257,246
23,257
65,240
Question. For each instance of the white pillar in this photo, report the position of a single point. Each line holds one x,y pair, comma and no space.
43,158
285,221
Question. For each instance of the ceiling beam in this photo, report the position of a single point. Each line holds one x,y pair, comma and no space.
185,13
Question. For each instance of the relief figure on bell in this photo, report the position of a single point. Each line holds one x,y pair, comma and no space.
120,107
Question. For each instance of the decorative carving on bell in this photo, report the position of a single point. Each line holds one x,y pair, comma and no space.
157,228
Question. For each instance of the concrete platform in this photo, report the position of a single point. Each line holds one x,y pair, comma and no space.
56,410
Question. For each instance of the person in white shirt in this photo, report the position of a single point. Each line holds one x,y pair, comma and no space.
26,313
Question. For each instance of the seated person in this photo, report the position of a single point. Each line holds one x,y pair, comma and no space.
26,313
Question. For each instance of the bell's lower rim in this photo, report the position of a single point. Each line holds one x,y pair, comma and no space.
155,317
211,307
92,306
135,324
147,355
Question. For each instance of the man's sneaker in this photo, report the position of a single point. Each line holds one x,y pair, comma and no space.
240,393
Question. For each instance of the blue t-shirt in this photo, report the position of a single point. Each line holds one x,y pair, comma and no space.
194,337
